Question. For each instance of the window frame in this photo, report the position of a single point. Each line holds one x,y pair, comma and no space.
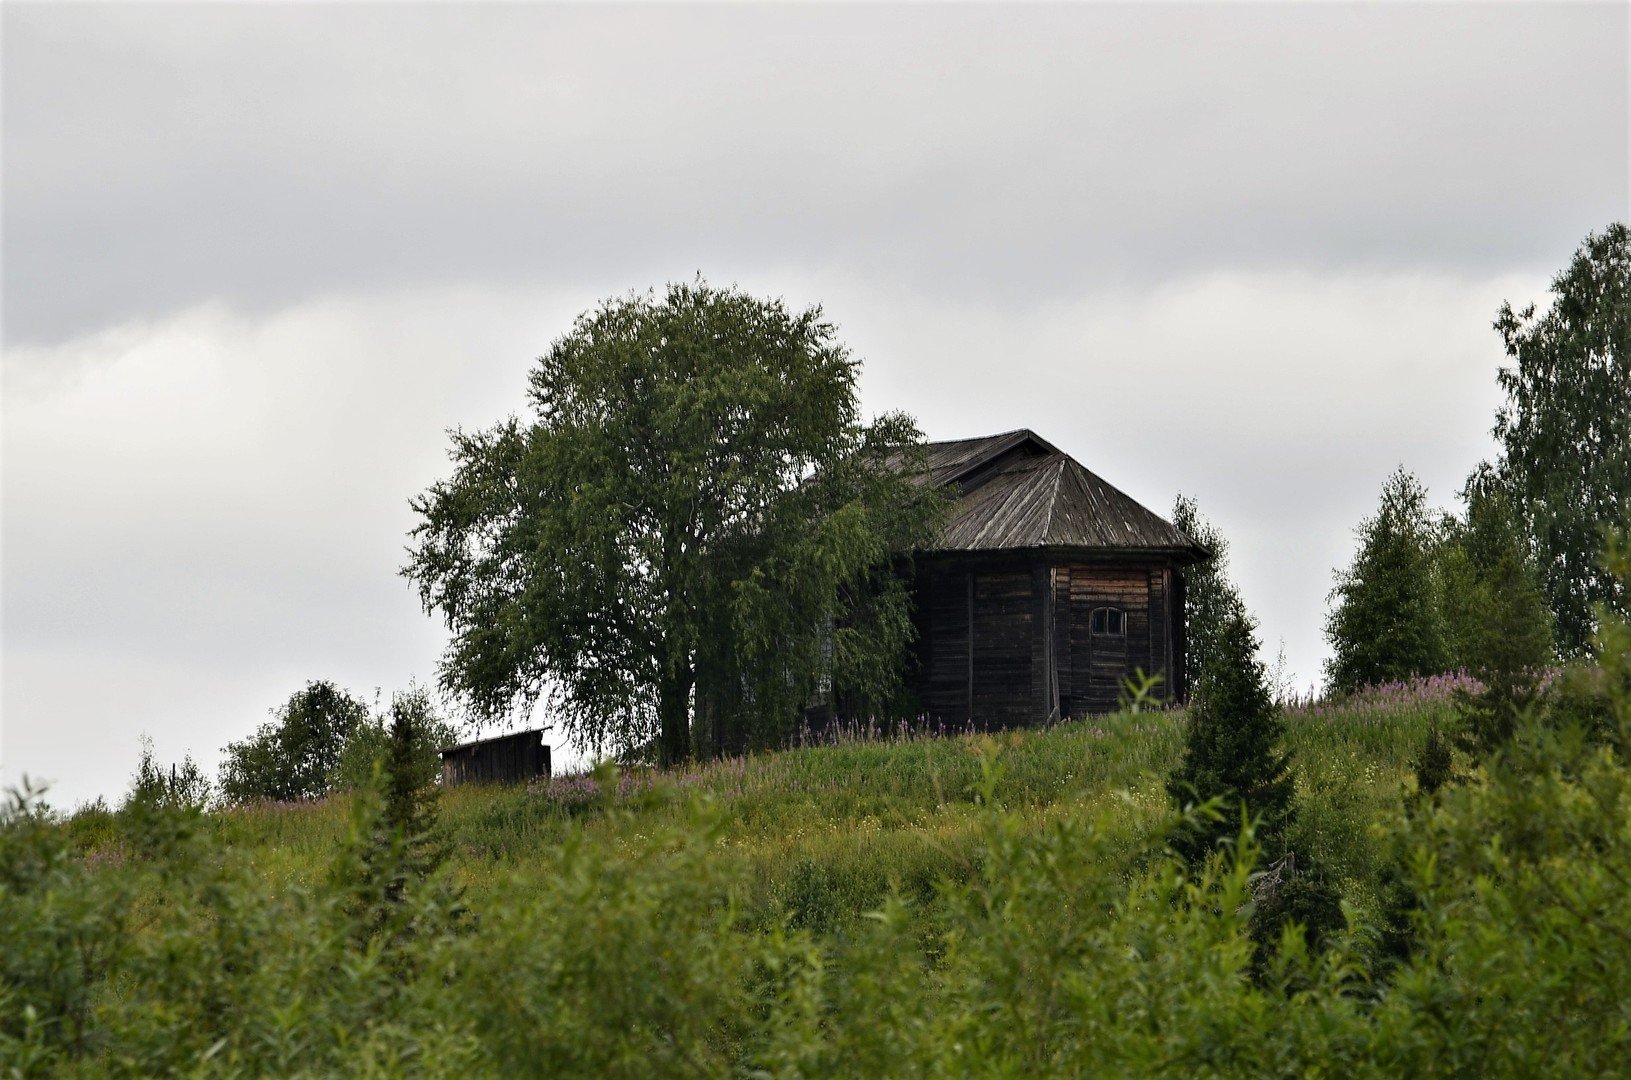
1111,616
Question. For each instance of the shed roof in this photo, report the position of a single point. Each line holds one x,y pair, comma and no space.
534,735
1016,490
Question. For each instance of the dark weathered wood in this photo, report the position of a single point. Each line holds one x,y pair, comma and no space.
1017,491
1045,686
1005,600
1060,644
1002,649
1180,637
505,759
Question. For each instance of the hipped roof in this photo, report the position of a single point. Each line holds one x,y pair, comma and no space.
1016,490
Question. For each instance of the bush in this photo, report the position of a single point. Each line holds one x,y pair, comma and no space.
184,785
369,741
63,930
295,756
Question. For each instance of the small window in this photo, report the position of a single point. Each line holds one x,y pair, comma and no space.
1109,622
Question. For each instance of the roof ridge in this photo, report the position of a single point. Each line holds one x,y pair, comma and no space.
979,438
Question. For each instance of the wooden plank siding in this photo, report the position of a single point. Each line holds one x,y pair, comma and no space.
1003,613
505,759
1007,641
1100,663
1033,543
942,666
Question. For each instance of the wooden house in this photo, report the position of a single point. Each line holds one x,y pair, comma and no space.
1047,589
503,759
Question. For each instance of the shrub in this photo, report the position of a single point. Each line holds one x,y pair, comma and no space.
368,742
295,756
63,929
396,847
184,785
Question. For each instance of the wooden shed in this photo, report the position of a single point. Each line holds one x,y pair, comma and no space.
504,759
1047,589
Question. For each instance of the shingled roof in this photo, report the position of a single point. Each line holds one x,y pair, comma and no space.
1016,490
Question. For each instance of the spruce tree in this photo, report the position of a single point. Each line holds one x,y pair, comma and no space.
1506,638
1386,624
408,816
1232,751
397,847
1233,754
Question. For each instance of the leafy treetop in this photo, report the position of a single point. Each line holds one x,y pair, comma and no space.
695,519
1210,597
1565,429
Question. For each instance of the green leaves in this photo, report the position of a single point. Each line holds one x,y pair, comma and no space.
1565,429
295,756
693,505
1210,597
1233,752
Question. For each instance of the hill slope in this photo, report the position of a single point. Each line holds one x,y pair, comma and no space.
984,905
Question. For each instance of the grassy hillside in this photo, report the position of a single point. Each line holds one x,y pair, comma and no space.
824,831
983,905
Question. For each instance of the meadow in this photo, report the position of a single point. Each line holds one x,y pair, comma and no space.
980,905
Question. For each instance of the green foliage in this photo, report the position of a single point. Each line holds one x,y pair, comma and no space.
1565,430
183,785
991,906
694,515
1501,626
163,808
1233,752
295,756
1495,615
390,862
634,965
1210,597
369,742
1385,625
1435,768
1594,698
1524,900
63,930
820,606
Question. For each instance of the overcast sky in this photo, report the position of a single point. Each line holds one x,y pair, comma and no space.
257,260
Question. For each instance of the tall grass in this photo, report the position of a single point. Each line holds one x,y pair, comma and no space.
996,904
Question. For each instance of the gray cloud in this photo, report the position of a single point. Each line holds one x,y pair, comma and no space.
258,258
261,154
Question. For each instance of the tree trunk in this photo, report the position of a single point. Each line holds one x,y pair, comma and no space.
674,715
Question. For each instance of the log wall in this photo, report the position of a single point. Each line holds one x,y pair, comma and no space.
1100,664
1006,640
507,759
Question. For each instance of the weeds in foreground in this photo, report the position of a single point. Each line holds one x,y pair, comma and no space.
1001,904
